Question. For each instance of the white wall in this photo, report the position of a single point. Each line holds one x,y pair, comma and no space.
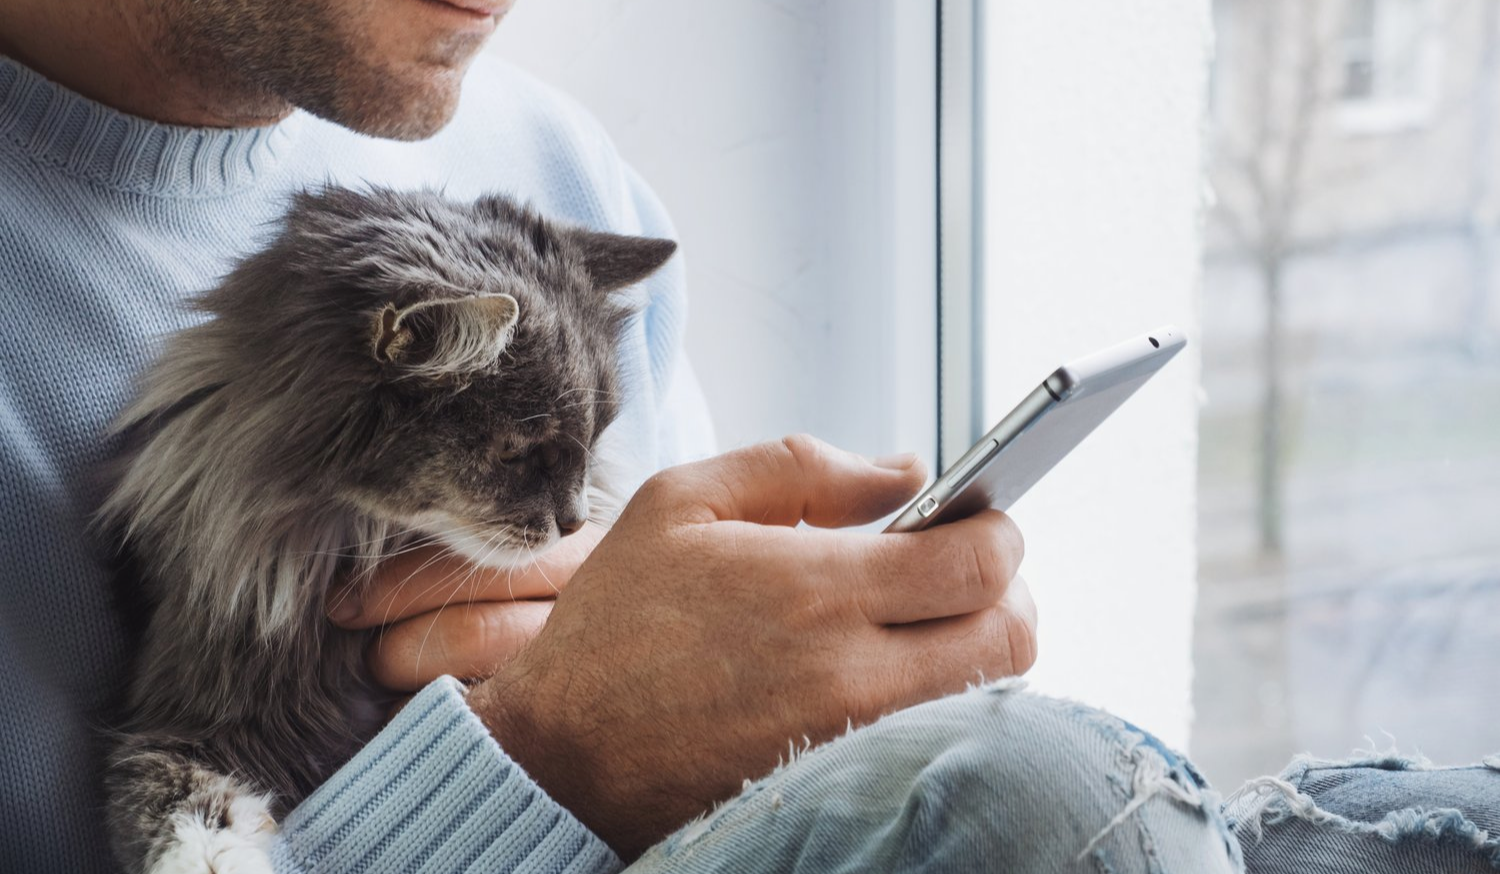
1093,136
791,141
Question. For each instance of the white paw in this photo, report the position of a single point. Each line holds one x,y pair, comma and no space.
243,847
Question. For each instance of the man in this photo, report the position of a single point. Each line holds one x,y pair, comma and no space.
145,144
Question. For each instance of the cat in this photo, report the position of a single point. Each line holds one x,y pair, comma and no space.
393,367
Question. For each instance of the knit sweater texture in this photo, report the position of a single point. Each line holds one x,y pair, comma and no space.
108,223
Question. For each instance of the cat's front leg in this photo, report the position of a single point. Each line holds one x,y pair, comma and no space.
169,814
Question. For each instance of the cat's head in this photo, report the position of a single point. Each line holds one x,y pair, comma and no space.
444,366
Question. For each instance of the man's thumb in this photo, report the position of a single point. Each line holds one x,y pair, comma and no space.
802,479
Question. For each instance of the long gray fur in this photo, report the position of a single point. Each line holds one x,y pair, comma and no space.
393,367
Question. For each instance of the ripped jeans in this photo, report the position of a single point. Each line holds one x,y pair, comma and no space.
997,779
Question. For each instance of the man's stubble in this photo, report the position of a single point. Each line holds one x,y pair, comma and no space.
267,56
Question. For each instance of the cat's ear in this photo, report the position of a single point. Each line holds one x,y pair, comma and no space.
615,260
445,335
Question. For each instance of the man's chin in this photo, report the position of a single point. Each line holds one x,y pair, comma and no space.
417,123
405,111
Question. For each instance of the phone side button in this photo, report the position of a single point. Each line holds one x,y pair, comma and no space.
979,458
928,504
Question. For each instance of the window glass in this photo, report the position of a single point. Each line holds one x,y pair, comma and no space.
1349,497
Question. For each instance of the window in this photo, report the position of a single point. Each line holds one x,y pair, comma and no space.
1350,441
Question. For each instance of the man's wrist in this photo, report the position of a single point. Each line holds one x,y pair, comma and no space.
510,711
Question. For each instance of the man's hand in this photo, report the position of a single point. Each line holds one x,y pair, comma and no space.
706,633
444,616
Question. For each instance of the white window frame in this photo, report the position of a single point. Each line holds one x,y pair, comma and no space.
960,176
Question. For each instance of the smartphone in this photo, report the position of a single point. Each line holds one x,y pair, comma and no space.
1041,431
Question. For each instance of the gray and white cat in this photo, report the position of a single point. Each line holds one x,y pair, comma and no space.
393,367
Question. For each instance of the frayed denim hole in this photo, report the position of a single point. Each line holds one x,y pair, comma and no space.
1307,767
1180,770
1437,827
1195,775
1151,776
1167,753
1277,801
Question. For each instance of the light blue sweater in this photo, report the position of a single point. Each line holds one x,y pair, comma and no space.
107,222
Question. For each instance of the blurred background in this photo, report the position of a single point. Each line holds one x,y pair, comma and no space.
899,215
1350,459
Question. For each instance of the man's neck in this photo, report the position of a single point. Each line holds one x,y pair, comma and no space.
113,53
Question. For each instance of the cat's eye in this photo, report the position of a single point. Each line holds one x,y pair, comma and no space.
506,454
551,455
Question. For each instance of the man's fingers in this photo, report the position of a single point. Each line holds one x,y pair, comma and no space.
947,570
1019,614
796,479
468,641
944,655
425,579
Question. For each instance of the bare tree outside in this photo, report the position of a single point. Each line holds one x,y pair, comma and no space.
1269,169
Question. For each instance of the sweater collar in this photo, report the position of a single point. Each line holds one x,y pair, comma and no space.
68,132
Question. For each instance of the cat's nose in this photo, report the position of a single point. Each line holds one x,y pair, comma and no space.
570,518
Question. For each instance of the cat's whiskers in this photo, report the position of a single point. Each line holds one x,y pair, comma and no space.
510,582
391,603
588,402
419,540
538,567
582,388
443,554
380,539
375,557
472,574
581,445
371,563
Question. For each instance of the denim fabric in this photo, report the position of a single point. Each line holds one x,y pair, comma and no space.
994,779
1374,815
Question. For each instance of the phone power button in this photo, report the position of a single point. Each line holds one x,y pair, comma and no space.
928,504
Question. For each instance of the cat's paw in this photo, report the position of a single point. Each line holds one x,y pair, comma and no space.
239,844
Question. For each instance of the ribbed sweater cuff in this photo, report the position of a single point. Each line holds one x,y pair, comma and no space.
433,792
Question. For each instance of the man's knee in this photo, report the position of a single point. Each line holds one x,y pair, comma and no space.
992,779
1047,784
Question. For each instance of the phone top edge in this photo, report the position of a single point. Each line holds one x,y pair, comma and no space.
1145,352
1136,359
